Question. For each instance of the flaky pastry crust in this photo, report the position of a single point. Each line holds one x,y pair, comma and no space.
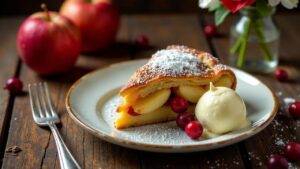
145,81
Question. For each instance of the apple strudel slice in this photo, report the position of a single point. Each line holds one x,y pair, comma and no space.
175,71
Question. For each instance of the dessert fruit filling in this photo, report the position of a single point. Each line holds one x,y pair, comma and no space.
160,98
171,84
152,102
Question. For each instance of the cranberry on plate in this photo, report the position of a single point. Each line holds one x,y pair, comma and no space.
183,119
132,112
179,104
193,129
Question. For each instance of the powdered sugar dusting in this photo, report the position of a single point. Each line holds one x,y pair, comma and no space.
279,142
109,110
221,67
164,133
288,100
292,166
174,62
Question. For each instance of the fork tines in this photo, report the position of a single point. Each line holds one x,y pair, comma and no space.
41,102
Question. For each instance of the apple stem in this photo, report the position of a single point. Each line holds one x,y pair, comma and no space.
44,7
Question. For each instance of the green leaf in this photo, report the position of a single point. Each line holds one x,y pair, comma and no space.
220,15
263,7
215,6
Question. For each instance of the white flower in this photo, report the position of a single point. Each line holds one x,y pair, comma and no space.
207,3
286,3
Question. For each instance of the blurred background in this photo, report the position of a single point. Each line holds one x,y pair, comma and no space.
21,7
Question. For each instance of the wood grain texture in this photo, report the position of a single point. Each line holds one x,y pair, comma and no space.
38,146
164,30
283,129
8,67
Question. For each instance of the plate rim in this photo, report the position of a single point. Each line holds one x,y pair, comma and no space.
146,146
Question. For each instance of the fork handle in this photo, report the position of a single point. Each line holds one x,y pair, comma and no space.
67,161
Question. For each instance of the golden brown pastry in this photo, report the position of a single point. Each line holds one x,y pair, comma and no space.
174,71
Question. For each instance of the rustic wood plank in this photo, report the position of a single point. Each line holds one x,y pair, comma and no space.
163,30
37,144
91,151
284,128
39,148
8,69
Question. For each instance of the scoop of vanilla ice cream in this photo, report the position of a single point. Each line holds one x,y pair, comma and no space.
221,110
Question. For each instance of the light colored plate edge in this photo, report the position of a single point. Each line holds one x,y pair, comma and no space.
158,147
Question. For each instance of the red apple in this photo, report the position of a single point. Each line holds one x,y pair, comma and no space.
48,43
98,21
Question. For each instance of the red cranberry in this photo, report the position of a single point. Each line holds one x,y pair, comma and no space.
281,75
183,119
132,112
277,162
292,151
14,85
210,31
294,109
193,129
142,41
179,104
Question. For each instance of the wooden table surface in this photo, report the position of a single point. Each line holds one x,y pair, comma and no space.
37,144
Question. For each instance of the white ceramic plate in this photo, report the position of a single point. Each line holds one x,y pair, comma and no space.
92,101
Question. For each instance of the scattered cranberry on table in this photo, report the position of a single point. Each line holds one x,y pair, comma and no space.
141,41
294,109
179,104
292,151
183,119
277,162
14,85
193,129
210,31
281,75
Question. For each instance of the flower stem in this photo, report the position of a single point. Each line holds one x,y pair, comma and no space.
236,46
262,41
244,44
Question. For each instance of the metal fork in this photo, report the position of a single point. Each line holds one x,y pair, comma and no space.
44,114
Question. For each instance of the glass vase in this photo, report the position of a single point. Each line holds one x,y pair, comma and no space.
254,42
